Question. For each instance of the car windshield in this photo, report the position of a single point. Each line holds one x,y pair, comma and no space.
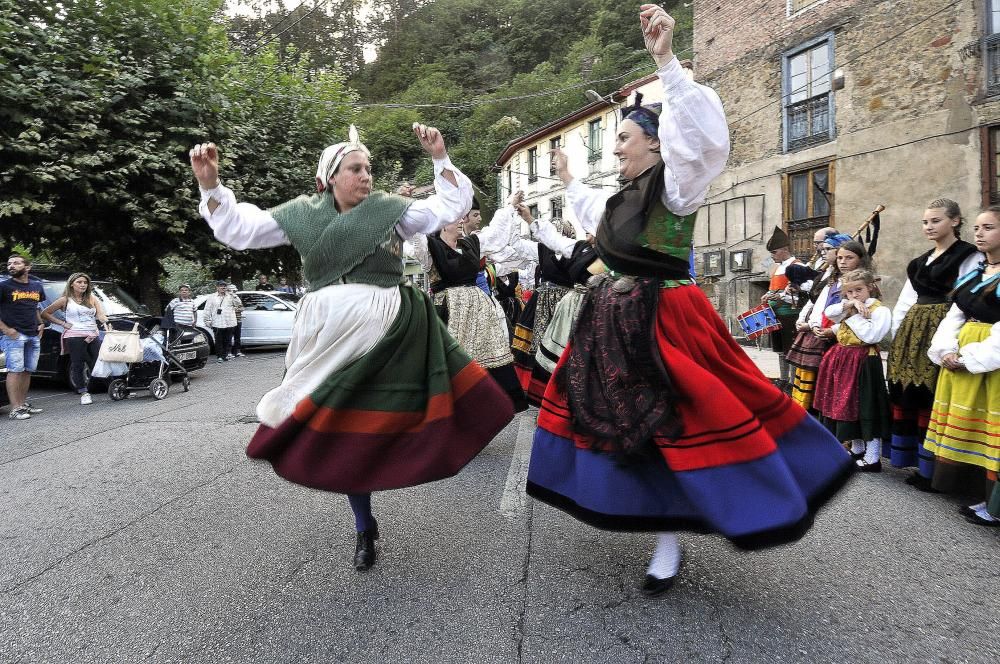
115,300
288,297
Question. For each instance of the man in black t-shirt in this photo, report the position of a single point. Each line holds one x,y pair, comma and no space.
21,328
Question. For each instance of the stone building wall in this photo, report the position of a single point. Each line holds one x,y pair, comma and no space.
907,121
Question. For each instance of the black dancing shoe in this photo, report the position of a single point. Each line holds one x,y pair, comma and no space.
921,483
966,511
652,586
865,467
364,552
980,521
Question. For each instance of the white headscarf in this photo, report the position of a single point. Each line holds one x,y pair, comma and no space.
333,155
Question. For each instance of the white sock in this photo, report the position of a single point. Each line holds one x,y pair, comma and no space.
984,515
857,446
667,557
873,450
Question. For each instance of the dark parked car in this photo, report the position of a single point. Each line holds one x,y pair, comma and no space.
123,312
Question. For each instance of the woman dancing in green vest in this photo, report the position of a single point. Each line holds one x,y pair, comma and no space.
376,394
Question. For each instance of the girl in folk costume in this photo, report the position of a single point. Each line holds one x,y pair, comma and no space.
964,430
814,335
921,307
473,317
376,395
850,388
655,419
782,301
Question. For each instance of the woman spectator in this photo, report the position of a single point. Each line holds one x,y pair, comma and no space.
813,334
919,310
964,429
82,311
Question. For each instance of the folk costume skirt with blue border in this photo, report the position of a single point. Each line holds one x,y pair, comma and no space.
750,464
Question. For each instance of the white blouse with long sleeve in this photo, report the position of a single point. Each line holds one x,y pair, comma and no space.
694,144
908,296
246,226
978,357
868,330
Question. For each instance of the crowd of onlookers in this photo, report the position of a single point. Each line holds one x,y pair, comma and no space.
80,314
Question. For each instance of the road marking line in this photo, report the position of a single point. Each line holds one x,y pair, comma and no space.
513,501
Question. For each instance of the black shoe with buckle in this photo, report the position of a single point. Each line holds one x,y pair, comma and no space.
364,552
865,467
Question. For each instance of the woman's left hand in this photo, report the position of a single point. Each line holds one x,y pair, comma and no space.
658,33
431,140
950,361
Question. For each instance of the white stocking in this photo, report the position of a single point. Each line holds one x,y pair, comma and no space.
873,450
667,557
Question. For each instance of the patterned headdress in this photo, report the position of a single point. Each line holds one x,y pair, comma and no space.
647,117
333,155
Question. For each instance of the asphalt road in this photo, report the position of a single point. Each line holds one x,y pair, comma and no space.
139,531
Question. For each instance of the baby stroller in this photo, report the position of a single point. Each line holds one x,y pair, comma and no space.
155,372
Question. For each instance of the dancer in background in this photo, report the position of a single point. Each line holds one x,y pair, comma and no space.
655,418
376,395
922,305
473,317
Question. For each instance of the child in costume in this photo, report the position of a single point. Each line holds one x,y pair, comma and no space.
850,389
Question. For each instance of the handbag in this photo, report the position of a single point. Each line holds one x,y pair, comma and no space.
121,346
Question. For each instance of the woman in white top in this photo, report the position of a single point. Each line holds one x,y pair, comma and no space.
921,306
81,339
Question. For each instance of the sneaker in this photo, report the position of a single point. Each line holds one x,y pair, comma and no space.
240,355
85,399
229,357
31,409
218,360
20,414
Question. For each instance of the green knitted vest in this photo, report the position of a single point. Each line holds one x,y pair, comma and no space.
667,232
360,247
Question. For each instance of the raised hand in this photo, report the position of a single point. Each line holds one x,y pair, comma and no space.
561,163
205,164
657,33
516,198
431,140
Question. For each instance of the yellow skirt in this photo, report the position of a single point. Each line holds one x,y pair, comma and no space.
965,418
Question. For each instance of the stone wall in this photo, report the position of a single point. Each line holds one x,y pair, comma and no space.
907,121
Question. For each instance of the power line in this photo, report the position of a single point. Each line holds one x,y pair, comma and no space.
852,60
445,105
256,48
275,26
846,156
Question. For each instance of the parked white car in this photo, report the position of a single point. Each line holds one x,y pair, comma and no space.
267,317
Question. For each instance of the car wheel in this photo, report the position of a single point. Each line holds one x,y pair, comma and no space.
117,389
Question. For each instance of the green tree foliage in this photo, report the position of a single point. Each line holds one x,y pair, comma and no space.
100,101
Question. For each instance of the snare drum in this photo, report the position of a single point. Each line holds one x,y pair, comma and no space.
758,321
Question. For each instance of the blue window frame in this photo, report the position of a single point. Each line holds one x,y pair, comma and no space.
807,96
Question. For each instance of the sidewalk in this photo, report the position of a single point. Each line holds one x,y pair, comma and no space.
766,360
